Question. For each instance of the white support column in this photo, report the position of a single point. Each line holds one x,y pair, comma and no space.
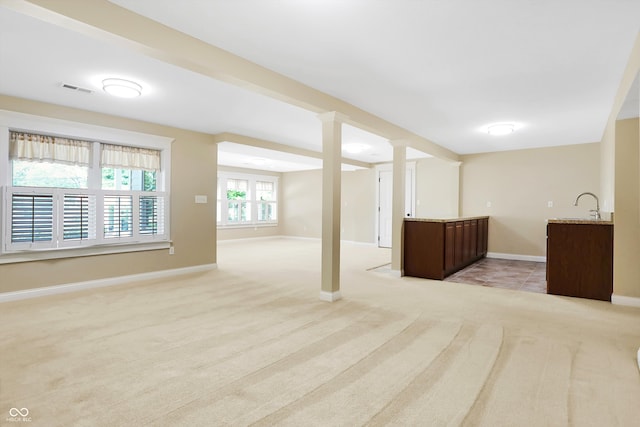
398,210
455,190
331,192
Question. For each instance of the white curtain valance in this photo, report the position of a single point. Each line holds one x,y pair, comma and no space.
122,157
42,148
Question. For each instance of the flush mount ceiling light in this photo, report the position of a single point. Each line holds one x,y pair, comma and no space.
258,161
355,147
501,129
121,88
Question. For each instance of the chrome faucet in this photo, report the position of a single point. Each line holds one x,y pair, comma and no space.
596,211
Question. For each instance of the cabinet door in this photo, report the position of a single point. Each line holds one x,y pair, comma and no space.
423,249
466,255
580,260
473,247
459,247
449,246
483,236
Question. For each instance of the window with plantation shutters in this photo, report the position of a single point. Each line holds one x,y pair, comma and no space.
66,193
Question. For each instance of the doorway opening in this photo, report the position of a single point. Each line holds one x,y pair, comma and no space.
384,177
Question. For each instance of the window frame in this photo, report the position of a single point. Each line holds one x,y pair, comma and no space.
13,121
222,205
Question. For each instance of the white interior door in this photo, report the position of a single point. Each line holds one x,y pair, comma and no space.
385,203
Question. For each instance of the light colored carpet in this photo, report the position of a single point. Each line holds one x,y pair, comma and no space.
252,344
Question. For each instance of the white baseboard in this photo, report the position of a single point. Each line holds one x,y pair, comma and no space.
622,300
250,239
517,257
315,239
99,283
330,296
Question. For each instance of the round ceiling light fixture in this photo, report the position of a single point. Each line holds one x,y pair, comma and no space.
501,129
258,161
121,88
355,147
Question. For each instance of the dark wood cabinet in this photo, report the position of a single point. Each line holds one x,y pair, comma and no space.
459,243
449,246
473,247
580,259
483,237
434,249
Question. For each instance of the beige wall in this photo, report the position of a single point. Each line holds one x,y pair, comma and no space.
519,184
193,230
359,206
608,145
302,204
617,171
437,188
252,232
626,270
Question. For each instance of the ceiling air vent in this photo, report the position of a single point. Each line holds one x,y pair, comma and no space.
75,88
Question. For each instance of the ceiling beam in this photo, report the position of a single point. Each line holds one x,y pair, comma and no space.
261,143
109,22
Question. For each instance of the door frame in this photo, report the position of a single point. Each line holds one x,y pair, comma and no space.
411,172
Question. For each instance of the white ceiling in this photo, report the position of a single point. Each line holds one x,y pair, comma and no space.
441,69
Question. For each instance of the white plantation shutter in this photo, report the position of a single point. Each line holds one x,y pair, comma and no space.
118,216
32,220
151,215
79,217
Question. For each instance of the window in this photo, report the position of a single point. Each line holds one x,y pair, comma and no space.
64,193
265,197
238,207
247,200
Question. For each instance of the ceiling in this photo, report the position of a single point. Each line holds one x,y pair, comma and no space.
442,70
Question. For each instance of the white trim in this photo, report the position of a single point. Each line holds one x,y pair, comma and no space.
299,237
234,226
623,300
330,296
517,257
284,236
40,255
111,281
354,242
249,239
411,166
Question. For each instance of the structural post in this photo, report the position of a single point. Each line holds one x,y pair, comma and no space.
331,189
398,201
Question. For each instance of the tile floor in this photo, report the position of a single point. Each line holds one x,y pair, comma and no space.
501,273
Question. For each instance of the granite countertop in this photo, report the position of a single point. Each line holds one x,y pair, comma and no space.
466,218
579,221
